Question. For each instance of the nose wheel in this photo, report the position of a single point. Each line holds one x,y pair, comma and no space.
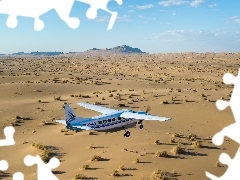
141,126
127,133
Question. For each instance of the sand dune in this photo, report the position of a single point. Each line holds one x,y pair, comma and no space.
182,86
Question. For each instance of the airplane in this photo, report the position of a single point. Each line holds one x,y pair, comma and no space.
110,119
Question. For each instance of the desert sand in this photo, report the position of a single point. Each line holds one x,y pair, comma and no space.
183,86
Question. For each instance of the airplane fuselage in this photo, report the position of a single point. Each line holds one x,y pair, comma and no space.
105,122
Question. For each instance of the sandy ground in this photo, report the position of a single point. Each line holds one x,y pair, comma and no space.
181,86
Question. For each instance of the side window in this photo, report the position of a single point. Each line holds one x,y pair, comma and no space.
99,122
119,118
104,121
109,120
113,119
84,124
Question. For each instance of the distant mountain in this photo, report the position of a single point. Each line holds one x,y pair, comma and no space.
118,49
46,53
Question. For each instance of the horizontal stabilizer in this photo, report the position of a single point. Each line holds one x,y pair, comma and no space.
80,128
61,122
144,116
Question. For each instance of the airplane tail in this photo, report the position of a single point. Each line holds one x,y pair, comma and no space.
69,113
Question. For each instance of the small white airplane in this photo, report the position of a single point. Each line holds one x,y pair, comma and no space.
110,119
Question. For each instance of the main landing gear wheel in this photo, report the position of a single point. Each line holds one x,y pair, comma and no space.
141,126
127,134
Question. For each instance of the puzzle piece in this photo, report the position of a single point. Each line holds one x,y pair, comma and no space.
36,8
8,132
232,130
101,4
233,167
3,165
44,170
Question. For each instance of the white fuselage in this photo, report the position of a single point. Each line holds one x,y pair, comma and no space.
105,122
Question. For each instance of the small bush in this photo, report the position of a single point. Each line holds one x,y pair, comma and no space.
96,158
80,176
177,149
197,144
192,137
161,154
157,142
115,173
85,166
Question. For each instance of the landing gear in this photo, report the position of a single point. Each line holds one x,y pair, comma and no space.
141,126
127,133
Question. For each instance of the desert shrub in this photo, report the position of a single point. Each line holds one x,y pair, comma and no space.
197,144
157,142
115,173
192,137
85,166
177,149
96,158
161,154
80,176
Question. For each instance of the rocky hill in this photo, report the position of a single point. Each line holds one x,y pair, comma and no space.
118,49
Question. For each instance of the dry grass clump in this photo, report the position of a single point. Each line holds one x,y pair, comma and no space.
115,173
176,135
157,173
197,144
39,146
161,154
172,140
58,98
164,102
122,167
80,176
177,149
96,158
218,164
192,137
157,142
46,153
85,166
136,160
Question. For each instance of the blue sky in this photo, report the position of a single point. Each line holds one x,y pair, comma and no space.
153,26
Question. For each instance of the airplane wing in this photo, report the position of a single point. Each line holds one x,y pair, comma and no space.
143,116
97,108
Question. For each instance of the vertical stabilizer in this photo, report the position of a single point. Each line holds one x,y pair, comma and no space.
69,113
